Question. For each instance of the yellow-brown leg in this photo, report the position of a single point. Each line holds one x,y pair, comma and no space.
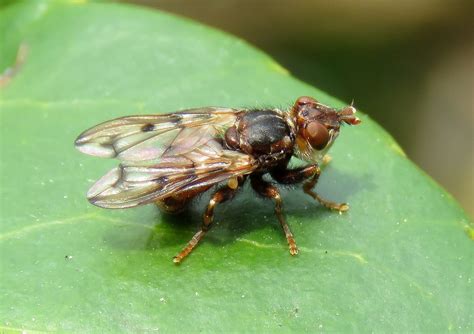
177,203
219,196
308,189
292,176
268,190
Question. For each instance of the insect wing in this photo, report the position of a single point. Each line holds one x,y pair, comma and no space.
130,185
145,138
162,156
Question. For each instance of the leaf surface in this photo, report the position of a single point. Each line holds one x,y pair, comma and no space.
399,260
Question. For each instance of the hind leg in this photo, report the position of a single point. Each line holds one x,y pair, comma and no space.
172,205
177,203
223,194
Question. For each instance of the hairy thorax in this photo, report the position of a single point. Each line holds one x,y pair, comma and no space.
264,134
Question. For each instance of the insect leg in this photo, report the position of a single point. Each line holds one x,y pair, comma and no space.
221,195
326,159
308,189
177,203
268,190
292,176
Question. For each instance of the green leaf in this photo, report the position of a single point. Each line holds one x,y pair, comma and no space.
399,260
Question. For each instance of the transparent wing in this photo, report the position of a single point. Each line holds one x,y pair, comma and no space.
146,138
162,155
130,185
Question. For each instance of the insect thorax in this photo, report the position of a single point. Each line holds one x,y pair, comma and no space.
264,134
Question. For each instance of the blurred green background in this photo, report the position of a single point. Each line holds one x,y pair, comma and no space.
408,64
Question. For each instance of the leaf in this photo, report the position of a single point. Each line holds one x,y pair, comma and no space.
399,260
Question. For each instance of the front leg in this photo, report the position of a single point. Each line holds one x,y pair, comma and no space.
297,175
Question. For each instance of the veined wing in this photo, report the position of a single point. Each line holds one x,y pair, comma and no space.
130,185
147,138
162,156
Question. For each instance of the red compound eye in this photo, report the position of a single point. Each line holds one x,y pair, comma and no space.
317,135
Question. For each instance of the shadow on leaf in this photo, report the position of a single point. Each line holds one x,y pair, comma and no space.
248,213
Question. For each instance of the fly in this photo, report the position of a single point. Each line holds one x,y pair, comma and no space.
170,159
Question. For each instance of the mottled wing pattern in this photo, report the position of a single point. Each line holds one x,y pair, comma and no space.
162,155
145,137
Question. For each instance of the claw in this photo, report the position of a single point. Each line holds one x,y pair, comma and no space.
343,207
293,251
